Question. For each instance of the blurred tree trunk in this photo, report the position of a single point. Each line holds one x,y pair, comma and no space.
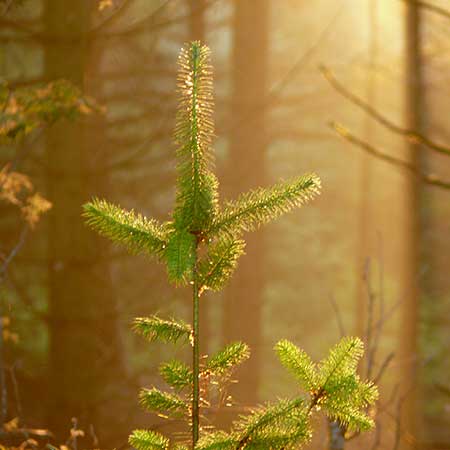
85,347
197,10
415,119
247,169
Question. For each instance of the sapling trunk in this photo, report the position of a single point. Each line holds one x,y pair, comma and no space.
195,350
337,435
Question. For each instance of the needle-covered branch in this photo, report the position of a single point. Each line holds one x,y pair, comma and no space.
196,200
163,403
176,374
298,363
232,355
148,440
154,328
333,385
261,206
137,233
220,263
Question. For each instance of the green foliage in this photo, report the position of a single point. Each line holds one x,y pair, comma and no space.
332,385
281,425
176,374
196,200
154,328
220,263
137,233
200,246
163,403
298,363
148,440
196,218
342,360
276,426
261,206
218,440
180,254
232,355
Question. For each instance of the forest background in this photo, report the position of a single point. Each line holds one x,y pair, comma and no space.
353,90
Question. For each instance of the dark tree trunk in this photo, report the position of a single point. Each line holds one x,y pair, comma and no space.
85,347
415,117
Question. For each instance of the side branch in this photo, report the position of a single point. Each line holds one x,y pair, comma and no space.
430,179
411,135
430,7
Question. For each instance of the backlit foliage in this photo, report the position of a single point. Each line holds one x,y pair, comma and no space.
332,385
17,189
26,109
197,218
23,110
200,245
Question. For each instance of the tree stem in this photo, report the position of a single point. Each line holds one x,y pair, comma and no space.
195,352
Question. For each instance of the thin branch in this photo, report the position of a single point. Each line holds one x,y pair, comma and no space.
411,135
430,179
443,389
377,438
116,15
15,385
3,389
338,316
274,93
7,261
378,329
369,328
146,24
383,367
8,4
430,7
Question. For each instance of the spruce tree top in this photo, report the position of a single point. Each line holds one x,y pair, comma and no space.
197,218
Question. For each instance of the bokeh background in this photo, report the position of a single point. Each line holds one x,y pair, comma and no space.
353,90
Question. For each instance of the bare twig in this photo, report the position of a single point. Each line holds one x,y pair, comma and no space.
3,391
398,423
338,315
8,259
442,388
6,7
411,135
275,91
430,179
377,329
12,374
430,7
383,367
377,438
369,328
